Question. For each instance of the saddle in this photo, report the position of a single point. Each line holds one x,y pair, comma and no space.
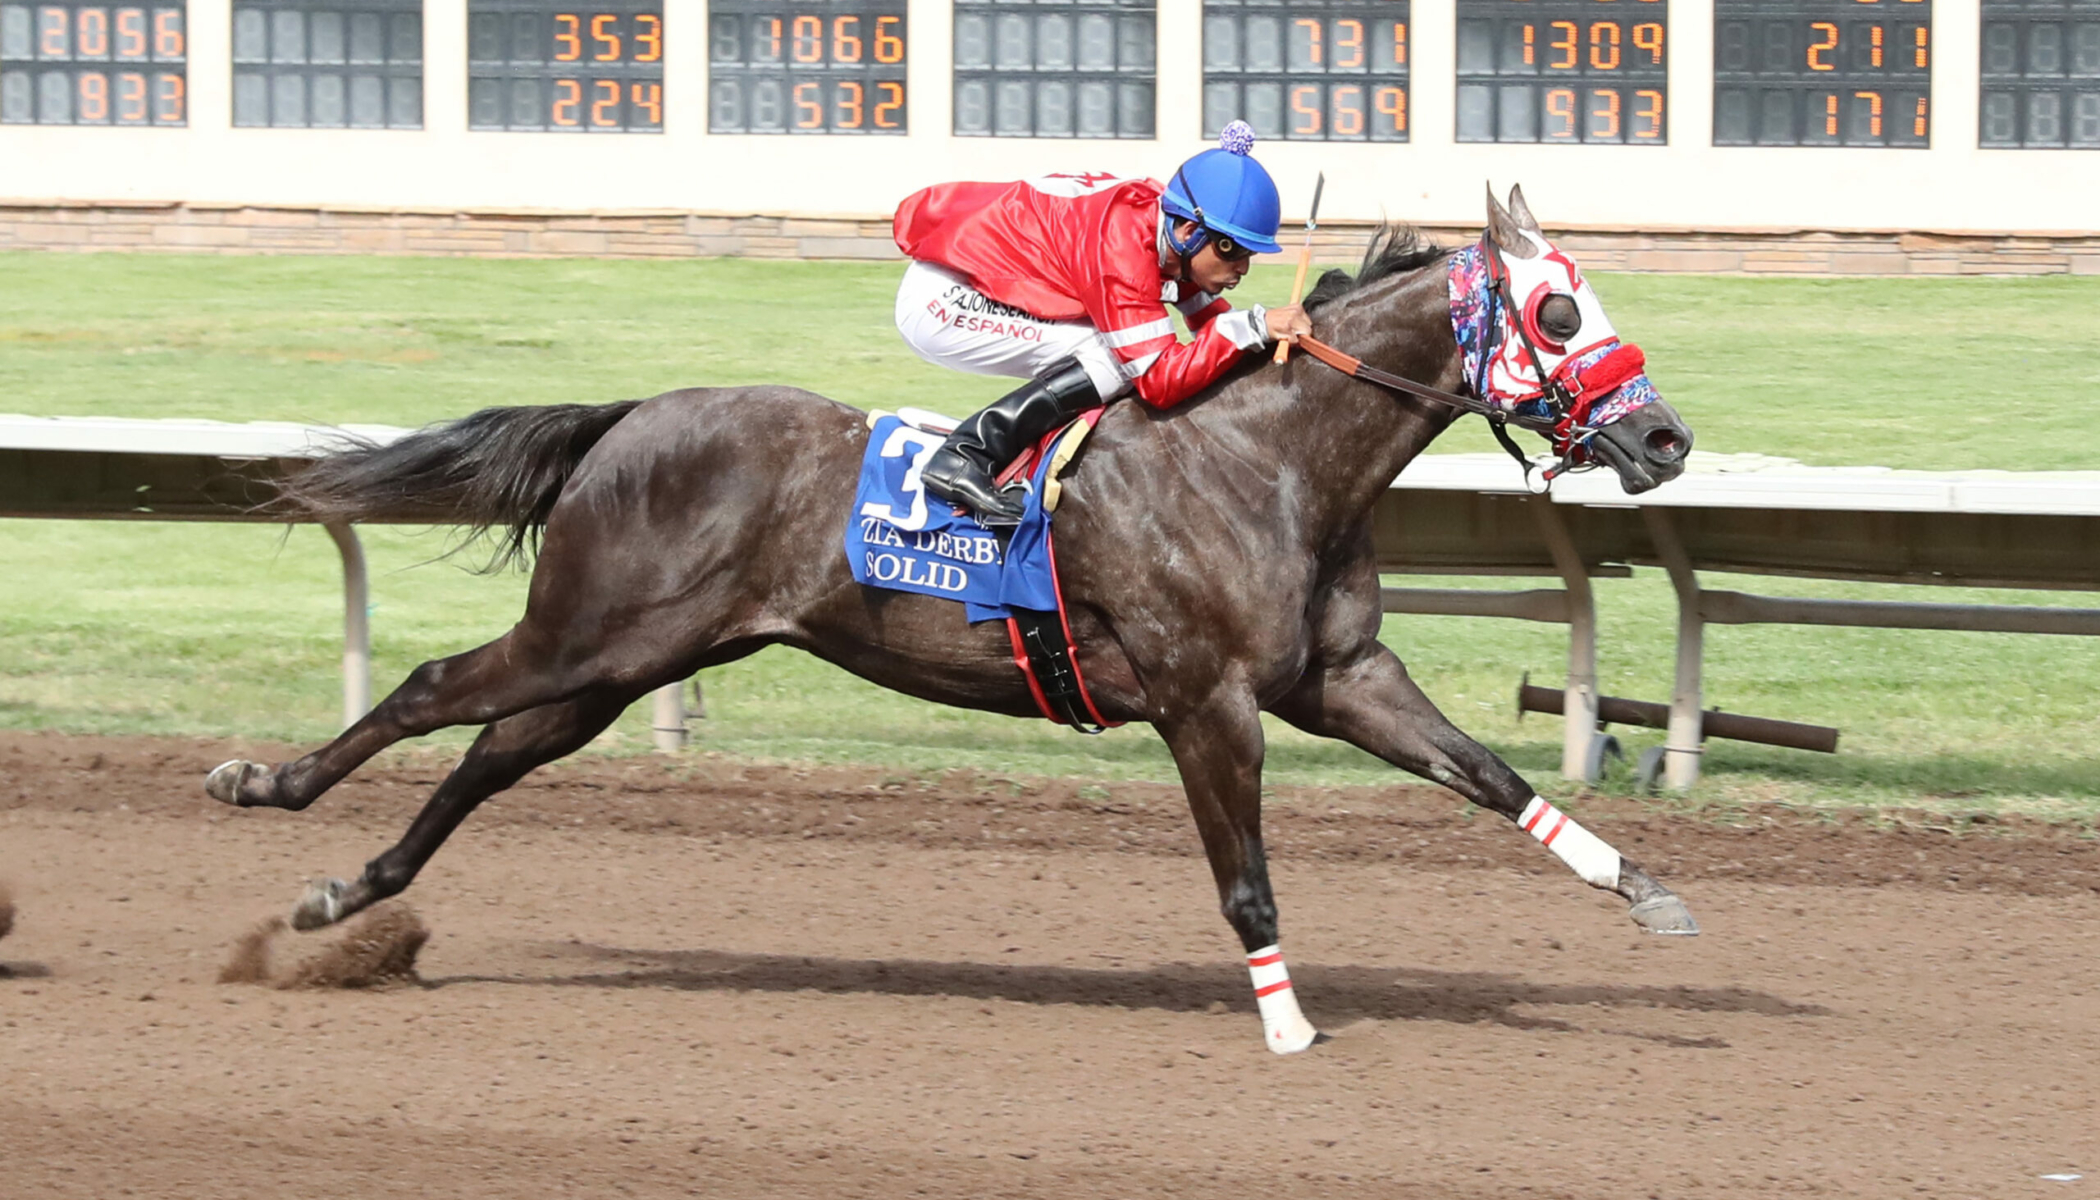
901,539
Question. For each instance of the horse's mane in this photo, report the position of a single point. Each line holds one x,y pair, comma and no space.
1394,249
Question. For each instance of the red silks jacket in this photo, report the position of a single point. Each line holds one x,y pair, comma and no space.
1065,247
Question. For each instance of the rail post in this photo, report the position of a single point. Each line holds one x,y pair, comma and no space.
667,721
357,625
1579,708
1684,743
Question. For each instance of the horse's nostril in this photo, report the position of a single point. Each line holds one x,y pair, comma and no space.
1664,445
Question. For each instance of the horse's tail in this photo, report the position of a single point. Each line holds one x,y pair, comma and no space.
500,469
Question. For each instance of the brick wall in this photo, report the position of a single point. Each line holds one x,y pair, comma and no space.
229,229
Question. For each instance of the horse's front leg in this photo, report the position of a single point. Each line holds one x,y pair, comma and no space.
1367,700
1218,748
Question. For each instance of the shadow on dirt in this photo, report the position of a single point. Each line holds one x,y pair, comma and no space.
1340,993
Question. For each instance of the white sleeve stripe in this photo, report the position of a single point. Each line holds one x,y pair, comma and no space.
1117,339
1138,366
1164,342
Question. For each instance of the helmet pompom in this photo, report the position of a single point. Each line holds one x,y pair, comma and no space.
1236,138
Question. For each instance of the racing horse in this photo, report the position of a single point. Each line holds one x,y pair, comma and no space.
1217,563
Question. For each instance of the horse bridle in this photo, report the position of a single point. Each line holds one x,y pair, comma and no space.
1567,425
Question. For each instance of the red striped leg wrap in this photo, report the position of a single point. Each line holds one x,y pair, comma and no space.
1283,1026
1585,853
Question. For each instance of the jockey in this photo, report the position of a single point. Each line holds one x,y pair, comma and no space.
1064,281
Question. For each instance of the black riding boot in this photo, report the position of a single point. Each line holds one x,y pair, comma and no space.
962,470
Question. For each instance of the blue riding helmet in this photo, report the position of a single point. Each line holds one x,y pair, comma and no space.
1225,191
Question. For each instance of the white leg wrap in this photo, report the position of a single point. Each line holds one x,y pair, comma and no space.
1284,1028
1585,853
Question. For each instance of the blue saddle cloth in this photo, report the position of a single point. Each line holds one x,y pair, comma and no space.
900,538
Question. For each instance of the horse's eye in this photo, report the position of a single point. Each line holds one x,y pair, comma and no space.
1559,318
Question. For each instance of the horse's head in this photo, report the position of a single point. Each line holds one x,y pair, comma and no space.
1538,346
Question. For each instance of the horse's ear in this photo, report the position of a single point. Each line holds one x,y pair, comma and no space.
1522,211
1504,228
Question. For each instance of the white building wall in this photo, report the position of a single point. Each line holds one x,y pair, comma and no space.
1953,186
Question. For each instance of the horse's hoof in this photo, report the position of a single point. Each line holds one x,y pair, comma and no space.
321,906
224,782
1664,914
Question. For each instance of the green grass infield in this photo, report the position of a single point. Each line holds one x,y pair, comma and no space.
223,630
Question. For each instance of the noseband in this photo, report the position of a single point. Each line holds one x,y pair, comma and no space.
1566,394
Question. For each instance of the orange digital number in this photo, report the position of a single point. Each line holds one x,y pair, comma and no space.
851,102
1830,115
649,98
1609,114
1653,115
92,33
1874,49
773,27
1399,43
1560,106
94,96
1918,126
809,39
1392,102
1531,34
845,46
1873,100
885,109
171,94
1312,31
568,97
1349,36
1922,59
608,100
889,48
895,104
131,98
167,32
51,39
1348,103
569,45
811,108
1604,51
650,36
611,41
1649,36
1309,111
1567,46
1816,52
131,33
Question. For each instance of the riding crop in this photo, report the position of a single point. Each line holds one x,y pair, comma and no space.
1312,222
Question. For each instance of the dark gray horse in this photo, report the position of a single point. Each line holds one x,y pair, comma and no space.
1217,563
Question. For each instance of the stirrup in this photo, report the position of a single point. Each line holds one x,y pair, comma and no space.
997,508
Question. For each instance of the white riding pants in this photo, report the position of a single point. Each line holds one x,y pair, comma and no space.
951,324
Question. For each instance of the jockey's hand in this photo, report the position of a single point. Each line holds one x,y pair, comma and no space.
1288,324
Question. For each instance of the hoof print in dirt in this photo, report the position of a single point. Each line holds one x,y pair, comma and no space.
377,949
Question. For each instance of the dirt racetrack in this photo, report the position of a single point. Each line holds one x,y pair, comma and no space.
705,978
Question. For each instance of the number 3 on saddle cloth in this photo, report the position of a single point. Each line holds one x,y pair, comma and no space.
900,538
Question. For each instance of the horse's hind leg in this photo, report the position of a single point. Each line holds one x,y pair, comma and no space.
504,753
482,685
1368,701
